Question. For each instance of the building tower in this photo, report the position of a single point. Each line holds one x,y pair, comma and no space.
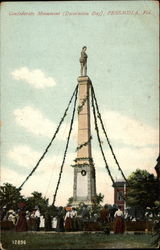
84,189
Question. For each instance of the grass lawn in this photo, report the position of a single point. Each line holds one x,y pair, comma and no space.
40,240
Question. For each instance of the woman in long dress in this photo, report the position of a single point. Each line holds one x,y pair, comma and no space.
119,226
22,222
68,221
60,220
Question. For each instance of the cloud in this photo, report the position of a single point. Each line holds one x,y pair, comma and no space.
45,178
36,123
128,130
10,176
120,128
129,160
24,156
36,78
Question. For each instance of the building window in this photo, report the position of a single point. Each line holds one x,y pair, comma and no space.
120,196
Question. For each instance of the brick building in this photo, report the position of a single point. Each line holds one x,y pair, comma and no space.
120,190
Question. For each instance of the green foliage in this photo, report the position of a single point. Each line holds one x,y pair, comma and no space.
142,191
52,210
80,107
70,200
10,196
99,198
97,203
37,200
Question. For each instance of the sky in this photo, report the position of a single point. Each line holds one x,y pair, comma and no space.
40,66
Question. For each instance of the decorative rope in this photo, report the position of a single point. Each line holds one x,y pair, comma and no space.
82,165
79,109
100,145
103,128
57,130
66,148
98,137
84,144
84,158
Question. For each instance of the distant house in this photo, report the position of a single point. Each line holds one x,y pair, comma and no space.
120,190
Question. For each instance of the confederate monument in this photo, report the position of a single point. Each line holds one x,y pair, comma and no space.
84,189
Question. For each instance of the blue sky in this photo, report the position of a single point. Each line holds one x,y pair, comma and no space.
40,66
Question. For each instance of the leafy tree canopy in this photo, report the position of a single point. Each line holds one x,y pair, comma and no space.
143,189
10,196
37,200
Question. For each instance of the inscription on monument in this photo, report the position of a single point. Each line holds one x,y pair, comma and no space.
82,182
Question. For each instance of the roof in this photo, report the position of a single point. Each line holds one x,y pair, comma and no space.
119,184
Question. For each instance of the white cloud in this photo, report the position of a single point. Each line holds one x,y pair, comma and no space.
10,176
44,179
24,156
128,130
119,127
36,78
34,121
129,159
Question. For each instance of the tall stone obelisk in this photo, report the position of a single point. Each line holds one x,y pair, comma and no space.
84,189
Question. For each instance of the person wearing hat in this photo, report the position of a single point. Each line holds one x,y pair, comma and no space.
12,216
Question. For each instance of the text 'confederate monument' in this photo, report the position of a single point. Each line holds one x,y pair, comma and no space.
84,189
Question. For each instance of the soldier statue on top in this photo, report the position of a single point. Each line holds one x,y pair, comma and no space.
83,61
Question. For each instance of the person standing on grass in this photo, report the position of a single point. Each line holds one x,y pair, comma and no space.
32,221
74,219
37,218
104,215
68,221
104,219
119,225
60,220
22,222
47,221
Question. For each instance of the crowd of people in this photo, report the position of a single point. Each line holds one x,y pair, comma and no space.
66,219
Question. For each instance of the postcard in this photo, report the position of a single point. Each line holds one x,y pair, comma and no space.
79,116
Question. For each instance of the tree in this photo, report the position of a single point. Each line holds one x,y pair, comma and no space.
97,202
142,190
37,200
98,199
10,196
70,200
